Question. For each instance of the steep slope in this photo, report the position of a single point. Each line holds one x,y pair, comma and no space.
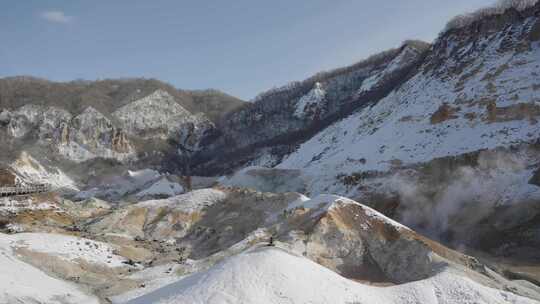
451,152
213,103
473,92
29,171
282,117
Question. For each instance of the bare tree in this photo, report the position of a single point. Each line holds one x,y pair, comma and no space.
499,8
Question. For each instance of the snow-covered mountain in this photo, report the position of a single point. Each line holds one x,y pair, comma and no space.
282,117
125,120
472,92
451,150
410,177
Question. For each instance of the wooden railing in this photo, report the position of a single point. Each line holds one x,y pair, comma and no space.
22,190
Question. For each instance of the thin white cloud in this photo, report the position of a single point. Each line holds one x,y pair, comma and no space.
56,17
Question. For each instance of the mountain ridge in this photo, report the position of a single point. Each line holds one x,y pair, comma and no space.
76,95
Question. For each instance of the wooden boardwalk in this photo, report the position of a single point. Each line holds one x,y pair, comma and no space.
24,190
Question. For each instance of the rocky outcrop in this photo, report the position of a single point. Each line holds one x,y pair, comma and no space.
93,132
157,114
30,171
64,133
34,118
7,178
534,35
506,31
443,113
157,118
191,133
87,135
120,142
312,105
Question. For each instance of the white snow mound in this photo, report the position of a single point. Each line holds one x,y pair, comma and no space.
271,275
69,248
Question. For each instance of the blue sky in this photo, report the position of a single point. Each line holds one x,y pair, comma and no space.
241,47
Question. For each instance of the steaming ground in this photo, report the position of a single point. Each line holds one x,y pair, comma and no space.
462,196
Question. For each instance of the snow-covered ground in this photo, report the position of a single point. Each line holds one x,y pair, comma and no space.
9,205
274,276
29,170
23,283
189,202
399,129
407,56
153,278
311,102
66,247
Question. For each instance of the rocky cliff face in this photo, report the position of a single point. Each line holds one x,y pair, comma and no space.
157,114
128,120
76,137
122,134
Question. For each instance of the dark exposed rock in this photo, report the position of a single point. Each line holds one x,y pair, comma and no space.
535,179
7,178
444,113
